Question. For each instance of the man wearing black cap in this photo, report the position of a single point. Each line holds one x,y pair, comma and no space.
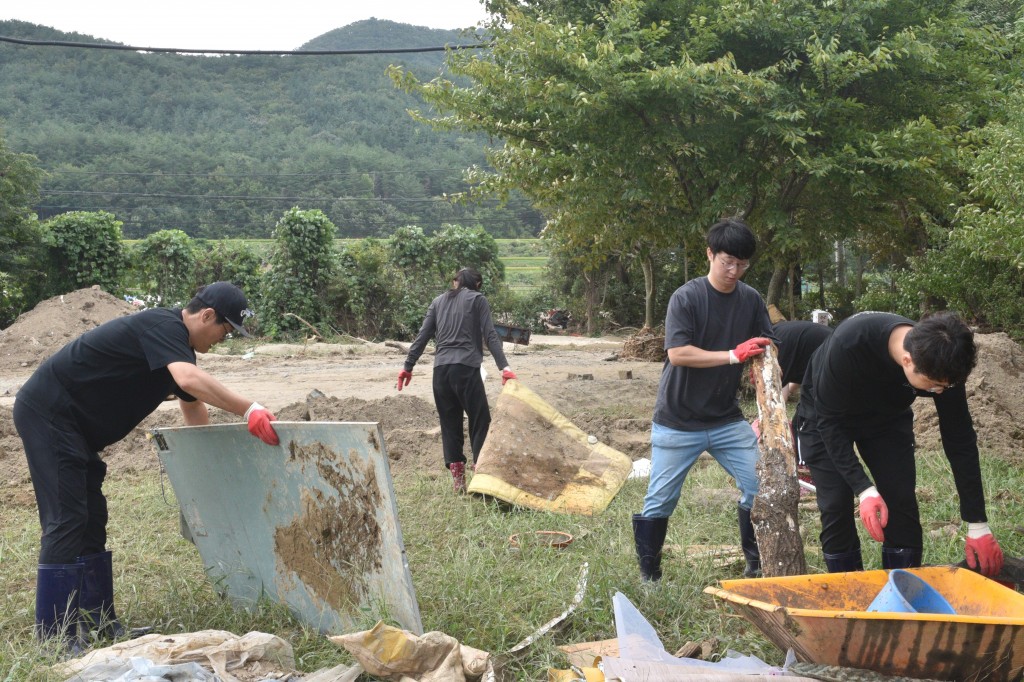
90,394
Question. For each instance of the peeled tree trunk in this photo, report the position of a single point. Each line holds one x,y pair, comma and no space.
775,514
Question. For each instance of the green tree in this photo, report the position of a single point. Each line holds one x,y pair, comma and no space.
302,266
20,239
164,264
634,124
236,262
977,267
84,249
371,295
456,247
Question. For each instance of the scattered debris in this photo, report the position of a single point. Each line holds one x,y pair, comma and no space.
558,621
254,656
555,539
534,457
644,345
387,651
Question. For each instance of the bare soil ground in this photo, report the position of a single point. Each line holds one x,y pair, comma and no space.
333,382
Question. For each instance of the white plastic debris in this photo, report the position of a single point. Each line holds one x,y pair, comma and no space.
641,468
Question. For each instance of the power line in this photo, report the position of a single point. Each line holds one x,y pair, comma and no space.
180,50
213,174
233,197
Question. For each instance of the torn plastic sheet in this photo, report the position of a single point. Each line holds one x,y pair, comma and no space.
641,652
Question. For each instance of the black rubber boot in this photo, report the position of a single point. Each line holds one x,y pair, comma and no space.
58,591
649,536
844,562
748,541
901,557
97,601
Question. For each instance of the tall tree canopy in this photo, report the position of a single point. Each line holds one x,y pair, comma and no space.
636,123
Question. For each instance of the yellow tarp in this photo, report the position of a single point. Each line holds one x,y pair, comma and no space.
534,457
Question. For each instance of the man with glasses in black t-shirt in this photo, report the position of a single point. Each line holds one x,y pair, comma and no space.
712,326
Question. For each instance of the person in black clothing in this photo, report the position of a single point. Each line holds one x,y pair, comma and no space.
797,341
459,320
90,394
712,326
858,391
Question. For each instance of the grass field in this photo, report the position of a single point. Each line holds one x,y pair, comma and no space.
470,583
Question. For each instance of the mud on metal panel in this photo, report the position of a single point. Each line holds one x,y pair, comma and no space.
311,522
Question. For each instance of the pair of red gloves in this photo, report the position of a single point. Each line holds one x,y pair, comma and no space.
983,552
404,377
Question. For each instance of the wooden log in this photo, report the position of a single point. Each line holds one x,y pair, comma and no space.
775,514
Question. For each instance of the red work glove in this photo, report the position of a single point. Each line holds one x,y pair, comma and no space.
756,426
404,378
873,513
507,374
259,419
748,349
983,552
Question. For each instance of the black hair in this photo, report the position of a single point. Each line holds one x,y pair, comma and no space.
732,236
942,348
468,278
197,305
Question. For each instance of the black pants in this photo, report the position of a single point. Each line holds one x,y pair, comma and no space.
458,389
887,449
67,476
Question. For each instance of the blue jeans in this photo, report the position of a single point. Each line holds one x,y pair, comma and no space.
673,452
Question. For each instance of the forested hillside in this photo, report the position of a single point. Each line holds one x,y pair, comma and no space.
222,146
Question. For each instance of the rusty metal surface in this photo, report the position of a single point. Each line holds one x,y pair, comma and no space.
822,618
311,523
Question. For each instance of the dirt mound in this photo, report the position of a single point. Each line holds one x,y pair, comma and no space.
42,331
996,396
412,436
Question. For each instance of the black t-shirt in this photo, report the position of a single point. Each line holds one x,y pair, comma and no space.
112,377
691,398
797,340
853,382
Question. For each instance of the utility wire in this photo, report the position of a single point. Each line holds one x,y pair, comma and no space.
296,53
214,174
244,197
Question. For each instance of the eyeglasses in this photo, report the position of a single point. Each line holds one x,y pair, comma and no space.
734,265
939,386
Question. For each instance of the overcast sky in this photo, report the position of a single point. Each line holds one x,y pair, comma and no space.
234,24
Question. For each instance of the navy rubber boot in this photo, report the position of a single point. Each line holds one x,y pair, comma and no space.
649,536
844,561
748,542
58,591
901,557
97,600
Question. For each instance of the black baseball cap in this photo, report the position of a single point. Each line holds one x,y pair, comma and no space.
229,302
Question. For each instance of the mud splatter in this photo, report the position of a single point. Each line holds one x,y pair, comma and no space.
336,543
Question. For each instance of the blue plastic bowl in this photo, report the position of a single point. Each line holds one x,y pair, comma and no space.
904,592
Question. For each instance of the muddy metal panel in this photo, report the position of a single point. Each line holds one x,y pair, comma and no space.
312,522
